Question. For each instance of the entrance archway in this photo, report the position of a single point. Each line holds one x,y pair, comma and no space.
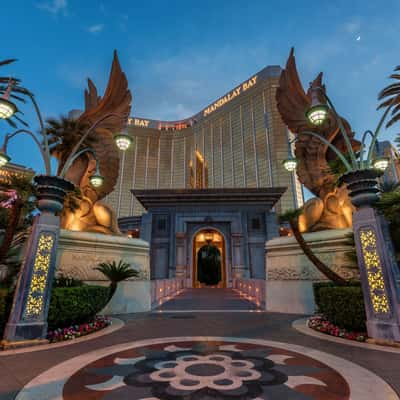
209,259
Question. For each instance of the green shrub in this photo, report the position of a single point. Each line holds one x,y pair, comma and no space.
74,305
342,306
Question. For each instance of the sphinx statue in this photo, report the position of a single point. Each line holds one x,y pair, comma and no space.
93,215
331,208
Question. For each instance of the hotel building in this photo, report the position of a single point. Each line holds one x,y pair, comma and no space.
238,141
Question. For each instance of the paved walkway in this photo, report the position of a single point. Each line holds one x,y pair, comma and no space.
204,355
208,299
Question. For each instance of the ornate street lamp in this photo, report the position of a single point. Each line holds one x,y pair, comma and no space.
318,111
28,316
123,141
379,272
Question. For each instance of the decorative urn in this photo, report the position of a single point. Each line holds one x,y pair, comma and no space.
362,186
51,192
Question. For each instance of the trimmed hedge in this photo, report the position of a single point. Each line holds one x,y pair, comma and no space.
342,305
68,306
75,305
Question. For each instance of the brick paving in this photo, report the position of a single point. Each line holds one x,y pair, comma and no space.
17,370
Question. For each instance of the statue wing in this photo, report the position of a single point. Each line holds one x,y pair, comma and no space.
312,154
117,100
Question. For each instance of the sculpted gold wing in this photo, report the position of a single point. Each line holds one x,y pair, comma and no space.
331,207
116,100
93,215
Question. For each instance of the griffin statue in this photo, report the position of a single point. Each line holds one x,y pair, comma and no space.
331,209
92,215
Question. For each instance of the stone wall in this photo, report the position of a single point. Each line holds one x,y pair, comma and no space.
290,275
80,252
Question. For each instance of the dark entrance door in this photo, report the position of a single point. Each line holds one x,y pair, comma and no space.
209,268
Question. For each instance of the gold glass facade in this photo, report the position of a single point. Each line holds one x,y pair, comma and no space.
240,137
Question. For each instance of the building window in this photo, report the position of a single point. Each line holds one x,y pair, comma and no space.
161,224
255,224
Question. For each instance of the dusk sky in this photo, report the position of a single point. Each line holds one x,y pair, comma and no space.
181,55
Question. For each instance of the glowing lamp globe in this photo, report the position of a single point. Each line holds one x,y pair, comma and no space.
123,141
317,114
290,164
4,159
7,108
96,180
381,163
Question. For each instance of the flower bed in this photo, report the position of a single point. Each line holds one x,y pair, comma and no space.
321,324
75,331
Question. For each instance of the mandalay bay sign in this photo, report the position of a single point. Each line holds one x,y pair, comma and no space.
230,96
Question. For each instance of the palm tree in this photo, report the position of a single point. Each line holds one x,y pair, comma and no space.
116,273
63,133
391,98
291,216
17,92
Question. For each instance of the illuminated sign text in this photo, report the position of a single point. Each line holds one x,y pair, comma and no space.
138,122
230,96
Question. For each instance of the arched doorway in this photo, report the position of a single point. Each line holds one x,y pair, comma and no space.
209,259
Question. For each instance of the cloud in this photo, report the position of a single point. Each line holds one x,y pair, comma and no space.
95,28
54,7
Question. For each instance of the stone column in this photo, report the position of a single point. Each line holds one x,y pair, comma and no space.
380,275
28,317
379,272
181,267
238,269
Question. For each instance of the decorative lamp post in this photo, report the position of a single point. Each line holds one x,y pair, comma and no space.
28,316
379,272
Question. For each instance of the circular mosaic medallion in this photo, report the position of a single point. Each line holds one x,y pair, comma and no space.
207,368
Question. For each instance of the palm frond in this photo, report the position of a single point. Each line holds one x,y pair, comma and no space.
117,272
7,61
391,98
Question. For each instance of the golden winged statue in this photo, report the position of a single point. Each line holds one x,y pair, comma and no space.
93,215
331,209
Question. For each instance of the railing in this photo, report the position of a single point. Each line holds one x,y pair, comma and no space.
251,289
163,290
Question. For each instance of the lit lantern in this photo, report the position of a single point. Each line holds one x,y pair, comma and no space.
4,159
123,141
208,236
317,114
381,163
96,180
290,164
7,108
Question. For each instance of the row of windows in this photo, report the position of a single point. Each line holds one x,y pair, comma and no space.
243,146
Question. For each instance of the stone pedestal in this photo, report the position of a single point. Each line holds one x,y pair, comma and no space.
380,274
28,316
290,274
79,253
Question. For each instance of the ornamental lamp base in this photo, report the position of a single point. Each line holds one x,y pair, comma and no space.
20,344
386,331
22,331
